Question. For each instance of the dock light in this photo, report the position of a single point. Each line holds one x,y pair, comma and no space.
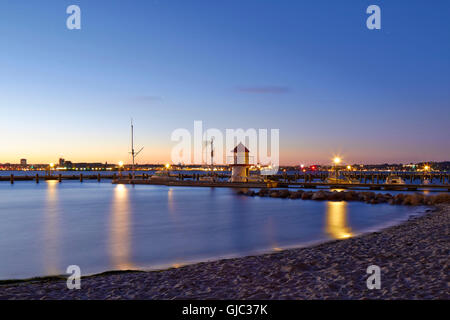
349,167
337,160
167,165
52,165
120,163
426,168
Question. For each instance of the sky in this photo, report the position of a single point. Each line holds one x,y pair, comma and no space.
311,69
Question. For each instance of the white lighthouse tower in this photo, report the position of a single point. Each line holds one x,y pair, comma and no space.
241,164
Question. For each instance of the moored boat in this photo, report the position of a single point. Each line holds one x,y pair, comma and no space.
162,176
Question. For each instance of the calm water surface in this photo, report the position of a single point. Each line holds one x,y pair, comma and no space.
48,226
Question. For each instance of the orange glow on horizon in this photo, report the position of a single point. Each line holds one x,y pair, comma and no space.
161,154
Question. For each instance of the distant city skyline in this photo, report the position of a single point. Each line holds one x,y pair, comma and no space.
311,69
26,163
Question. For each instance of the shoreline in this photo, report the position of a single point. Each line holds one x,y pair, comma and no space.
257,252
413,257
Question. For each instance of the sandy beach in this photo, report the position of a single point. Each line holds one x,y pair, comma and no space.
413,258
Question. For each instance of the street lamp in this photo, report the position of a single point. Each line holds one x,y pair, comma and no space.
336,161
120,168
50,168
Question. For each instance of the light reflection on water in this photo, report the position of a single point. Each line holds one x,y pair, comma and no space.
120,246
51,233
337,225
99,226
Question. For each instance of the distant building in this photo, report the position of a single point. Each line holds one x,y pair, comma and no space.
68,164
88,166
61,162
23,162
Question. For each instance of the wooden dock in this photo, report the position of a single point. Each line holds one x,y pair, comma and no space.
59,177
370,186
372,181
194,183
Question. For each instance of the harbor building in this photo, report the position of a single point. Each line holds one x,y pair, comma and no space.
241,164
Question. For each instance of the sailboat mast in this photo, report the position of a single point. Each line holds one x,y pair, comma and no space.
212,152
132,146
133,153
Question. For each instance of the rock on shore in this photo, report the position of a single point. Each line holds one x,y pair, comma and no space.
413,258
414,199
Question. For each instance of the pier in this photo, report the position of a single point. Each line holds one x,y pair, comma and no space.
272,184
370,186
195,183
439,181
367,181
59,177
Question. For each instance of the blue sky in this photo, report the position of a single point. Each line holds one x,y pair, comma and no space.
309,68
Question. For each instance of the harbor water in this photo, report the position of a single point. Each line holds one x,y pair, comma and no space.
99,226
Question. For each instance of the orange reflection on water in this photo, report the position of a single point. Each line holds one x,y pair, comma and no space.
336,220
120,244
271,235
51,250
171,204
